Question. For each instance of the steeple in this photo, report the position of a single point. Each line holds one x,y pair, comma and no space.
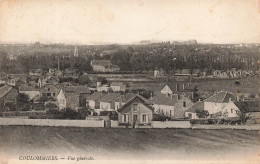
76,53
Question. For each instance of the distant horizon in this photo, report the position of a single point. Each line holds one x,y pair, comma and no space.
133,43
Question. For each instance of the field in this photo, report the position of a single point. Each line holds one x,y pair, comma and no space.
247,85
156,144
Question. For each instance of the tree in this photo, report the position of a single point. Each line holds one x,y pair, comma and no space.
196,95
202,113
22,98
243,109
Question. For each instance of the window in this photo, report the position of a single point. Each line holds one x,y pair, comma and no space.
135,107
48,94
49,89
231,110
190,115
170,112
184,104
125,118
144,118
53,94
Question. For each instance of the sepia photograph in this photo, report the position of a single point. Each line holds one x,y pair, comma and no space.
129,81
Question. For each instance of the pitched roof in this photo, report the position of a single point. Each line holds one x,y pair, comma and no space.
199,105
109,97
137,97
254,106
96,96
4,90
173,87
26,88
221,97
162,99
127,96
77,89
116,84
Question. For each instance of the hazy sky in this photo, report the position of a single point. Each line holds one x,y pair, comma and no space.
127,21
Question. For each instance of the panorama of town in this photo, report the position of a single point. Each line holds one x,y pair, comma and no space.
145,85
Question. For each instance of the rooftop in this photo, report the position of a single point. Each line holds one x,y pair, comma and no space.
109,97
77,89
221,97
162,99
199,105
4,90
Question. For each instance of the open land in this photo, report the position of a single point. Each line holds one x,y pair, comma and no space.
155,144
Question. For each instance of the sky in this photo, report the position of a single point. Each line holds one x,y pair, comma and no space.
129,21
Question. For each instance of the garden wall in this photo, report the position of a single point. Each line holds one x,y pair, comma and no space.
171,124
52,122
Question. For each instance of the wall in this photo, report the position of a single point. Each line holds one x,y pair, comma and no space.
179,109
171,124
52,122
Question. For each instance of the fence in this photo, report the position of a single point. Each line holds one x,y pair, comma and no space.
52,122
171,124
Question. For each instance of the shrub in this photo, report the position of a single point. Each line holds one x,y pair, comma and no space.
113,115
157,117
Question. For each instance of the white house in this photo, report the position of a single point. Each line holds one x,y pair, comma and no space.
107,102
61,99
118,87
220,103
93,100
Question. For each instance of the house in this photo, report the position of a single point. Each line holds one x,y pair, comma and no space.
36,72
107,102
124,98
217,73
159,72
187,72
49,90
93,101
191,112
73,97
7,95
15,81
135,112
103,88
220,103
253,111
42,81
163,103
118,87
29,90
103,66
173,105
180,88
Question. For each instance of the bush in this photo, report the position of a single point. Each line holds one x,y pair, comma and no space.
157,117
113,115
65,114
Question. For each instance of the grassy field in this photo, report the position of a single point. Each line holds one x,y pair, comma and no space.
155,144
247,85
